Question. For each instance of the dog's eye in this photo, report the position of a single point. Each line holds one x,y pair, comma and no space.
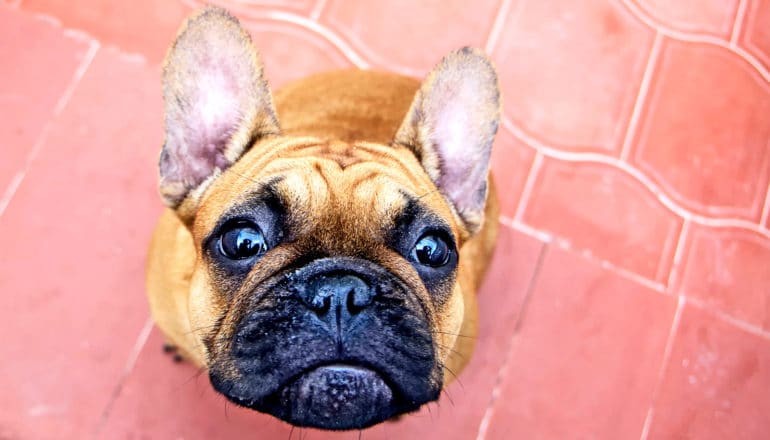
241,240
431,250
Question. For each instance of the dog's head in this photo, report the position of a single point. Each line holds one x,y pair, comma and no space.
325,290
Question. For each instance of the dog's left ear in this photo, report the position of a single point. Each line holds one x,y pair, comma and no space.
451,125
217,104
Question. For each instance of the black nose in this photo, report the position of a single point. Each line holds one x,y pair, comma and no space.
336,299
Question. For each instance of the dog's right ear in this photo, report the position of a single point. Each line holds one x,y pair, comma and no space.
217,104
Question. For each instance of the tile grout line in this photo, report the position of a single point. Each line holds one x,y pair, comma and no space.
497,26
318,9
61,103
347,49
525,229
673,276
765,209
642,96
639,176
529,184
566,245
133,356
740,15
729,319
697,38
663,367
489,411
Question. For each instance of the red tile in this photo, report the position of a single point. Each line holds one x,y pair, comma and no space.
240,7
713,161
511,164
164,400
600,209
756,34
459,412
729,269
713,17
716,383
72,266
142,26
587,357
35,77
168,400
570,75
410,36
290,52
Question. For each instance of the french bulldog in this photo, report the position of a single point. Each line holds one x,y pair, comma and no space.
322,248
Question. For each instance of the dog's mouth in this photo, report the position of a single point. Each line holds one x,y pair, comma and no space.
334,396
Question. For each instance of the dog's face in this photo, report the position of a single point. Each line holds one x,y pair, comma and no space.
325,290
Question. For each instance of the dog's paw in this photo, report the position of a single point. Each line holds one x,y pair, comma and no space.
172,349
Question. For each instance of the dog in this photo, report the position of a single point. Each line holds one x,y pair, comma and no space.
324,268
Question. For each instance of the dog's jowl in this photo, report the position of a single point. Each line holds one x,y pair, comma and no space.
322,247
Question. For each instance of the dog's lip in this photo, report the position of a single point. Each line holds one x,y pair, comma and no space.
336,396
342,365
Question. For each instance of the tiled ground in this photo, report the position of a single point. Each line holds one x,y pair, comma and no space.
630,294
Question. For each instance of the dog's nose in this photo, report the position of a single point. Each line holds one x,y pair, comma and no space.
336,299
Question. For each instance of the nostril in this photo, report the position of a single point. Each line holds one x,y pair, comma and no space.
347,294
353,306
321,304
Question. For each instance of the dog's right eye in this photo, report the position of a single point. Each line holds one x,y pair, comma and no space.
241,240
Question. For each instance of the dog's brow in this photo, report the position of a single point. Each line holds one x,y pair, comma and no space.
265,192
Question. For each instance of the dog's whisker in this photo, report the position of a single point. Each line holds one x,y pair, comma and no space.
437,332
455,376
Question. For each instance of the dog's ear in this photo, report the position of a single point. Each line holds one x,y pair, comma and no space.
451,125
217,103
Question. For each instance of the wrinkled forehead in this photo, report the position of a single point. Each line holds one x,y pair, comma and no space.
349,185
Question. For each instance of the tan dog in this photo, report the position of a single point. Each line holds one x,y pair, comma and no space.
323,269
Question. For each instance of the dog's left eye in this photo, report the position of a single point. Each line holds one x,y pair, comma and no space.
431,250
241,240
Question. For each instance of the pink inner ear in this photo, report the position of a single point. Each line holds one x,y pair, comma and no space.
211,115
462,138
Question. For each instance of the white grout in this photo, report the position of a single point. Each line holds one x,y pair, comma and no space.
663,366
642,97
729,319
526,193
655,189
136,350
740,15
10,191
587,254
311,25
765,209
497,26
675,266
318,9
697,38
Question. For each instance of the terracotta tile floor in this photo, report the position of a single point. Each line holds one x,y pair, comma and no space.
630,293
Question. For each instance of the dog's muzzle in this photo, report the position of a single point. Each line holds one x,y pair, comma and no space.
343,347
